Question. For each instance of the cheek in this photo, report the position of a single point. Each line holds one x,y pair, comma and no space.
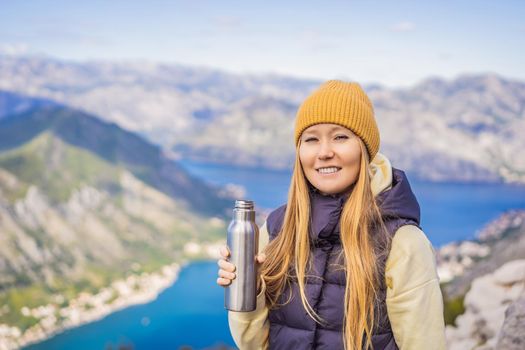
357,158
356,165
354,154
305,157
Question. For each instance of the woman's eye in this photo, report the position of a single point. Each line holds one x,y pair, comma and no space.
310,139
341,137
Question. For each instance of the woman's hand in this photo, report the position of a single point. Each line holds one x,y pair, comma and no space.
227,269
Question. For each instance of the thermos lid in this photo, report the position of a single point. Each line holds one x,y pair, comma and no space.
244,204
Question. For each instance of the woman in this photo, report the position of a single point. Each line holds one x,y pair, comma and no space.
344,265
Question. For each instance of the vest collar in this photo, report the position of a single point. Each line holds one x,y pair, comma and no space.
325,213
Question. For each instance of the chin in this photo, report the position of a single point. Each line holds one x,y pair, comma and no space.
333,190
329,191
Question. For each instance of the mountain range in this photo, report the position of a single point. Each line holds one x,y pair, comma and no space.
466,129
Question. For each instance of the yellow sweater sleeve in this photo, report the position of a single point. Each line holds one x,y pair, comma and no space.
414,301
250,330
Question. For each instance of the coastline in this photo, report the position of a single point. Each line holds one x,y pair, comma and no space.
87,308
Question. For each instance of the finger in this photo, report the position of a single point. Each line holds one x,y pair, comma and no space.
261,258
225,265
225,252
227,275
223,282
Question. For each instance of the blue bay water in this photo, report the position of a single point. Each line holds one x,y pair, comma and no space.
449,211
191,311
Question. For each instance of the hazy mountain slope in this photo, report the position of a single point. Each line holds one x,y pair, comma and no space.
117,146
11,103
506,244
492,278
465,129
469,127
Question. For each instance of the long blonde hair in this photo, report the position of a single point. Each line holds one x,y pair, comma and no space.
289,253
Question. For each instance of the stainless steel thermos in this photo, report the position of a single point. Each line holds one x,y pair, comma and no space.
243,238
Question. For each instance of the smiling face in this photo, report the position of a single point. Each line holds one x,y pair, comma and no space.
330,156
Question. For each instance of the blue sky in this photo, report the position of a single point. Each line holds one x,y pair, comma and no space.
395,43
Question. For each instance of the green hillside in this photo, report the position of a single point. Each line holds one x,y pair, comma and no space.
118,147
48,163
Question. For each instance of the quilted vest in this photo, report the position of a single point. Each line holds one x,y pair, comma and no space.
290,325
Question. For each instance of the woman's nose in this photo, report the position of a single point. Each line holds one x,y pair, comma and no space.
325,151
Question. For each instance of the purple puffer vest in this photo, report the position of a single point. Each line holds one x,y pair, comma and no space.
290,326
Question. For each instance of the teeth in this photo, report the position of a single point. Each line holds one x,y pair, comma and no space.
328,170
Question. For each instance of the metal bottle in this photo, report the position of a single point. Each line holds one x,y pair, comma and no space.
243,238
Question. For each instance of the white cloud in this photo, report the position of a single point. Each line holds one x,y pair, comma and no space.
314,41
404,26
14,49
227,22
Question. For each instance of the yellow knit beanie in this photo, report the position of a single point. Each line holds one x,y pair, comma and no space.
345,104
